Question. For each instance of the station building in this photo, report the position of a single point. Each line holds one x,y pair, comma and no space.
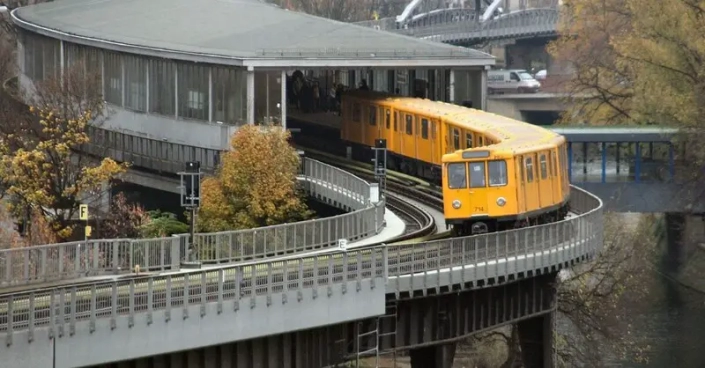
191,72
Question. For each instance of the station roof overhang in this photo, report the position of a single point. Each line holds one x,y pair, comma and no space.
244,33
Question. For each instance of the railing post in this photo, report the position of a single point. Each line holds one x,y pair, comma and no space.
116,256
96,252
175,253
150,300
221,280
385,259
91,324
10,319
113,305
131,302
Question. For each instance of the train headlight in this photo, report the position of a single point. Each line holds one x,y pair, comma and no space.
456,204
501,201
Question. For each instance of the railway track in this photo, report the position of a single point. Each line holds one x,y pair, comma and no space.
398,187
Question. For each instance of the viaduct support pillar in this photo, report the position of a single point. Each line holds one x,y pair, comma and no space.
436,356
536,340
675,241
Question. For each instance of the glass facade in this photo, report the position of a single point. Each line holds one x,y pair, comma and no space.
150,85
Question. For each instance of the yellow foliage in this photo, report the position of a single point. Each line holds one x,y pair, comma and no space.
255,185
43,173
638,61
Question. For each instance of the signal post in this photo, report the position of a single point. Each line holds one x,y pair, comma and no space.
191,199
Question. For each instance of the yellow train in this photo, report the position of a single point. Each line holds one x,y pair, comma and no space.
496,173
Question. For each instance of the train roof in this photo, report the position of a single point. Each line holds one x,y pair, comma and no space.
509,134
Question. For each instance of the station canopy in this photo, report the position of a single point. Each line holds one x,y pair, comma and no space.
247,33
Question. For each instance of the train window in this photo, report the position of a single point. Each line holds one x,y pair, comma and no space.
468,140
373,115
409,124
552,159
456,139
457,176
479,140
529,169
433,130
356,112
544,168
477,175
424,128
388,117
396,120
497,171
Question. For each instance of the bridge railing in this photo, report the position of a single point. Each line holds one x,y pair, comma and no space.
111,256
529,21
62,308
58,308
348,191
582,232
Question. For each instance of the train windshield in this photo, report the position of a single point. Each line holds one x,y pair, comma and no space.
497,173
457,176
477,174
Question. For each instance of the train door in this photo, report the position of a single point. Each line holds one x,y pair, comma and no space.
555,177
387,132
408,142
356,125
530,187
478,187
545,187
520,183
397,132
424,149
373,126
436,152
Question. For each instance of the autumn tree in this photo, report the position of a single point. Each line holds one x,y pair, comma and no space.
636,62
255,185
132,220
42,174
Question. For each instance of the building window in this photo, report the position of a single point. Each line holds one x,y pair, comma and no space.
113,78
41,56
162,87
193,91
229,91
136,83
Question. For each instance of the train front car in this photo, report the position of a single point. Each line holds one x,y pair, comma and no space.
478,192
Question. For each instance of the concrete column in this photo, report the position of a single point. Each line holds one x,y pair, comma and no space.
250,95
536,340
437,356
210,94
61,61
451,87
483,89
675,241
282,105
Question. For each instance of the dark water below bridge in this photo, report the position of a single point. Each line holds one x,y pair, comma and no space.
672,323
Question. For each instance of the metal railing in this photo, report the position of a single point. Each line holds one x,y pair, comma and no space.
148,153
581,235
98,257
557,244
448,29
61,308
345,189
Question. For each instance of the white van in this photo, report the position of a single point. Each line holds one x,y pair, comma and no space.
511,81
